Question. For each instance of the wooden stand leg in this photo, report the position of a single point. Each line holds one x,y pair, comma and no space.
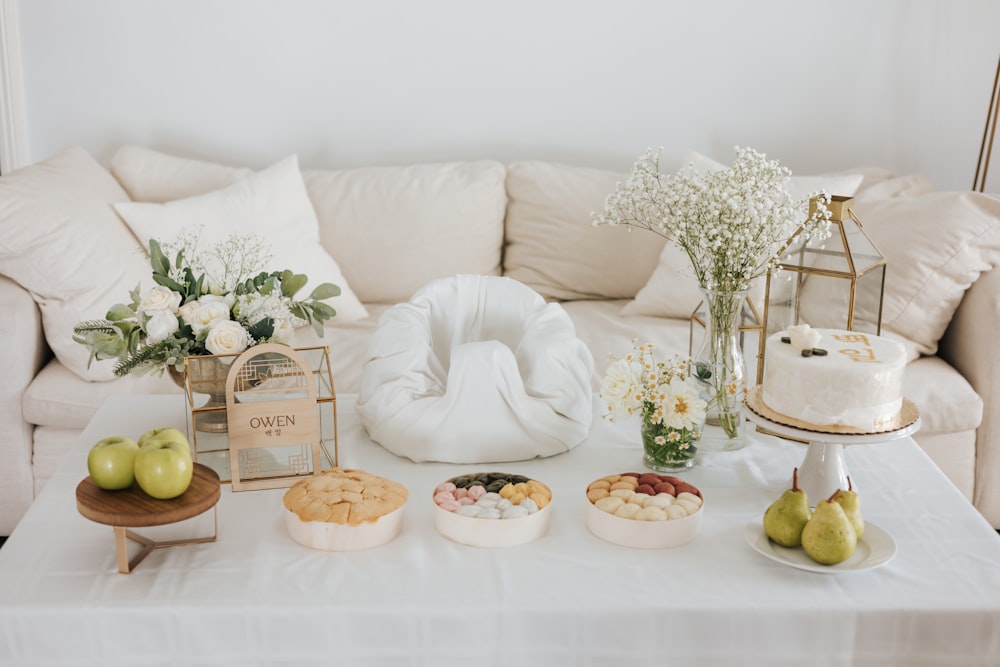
122,535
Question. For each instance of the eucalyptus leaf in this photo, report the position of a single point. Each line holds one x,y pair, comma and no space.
291,283
120,311
161,264
169,283
324,291
322,311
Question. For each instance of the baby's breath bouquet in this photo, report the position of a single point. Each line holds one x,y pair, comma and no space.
216,302
665,396
733,225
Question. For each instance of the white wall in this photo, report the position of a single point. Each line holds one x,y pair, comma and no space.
819,84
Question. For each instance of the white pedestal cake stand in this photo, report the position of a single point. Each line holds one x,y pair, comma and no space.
824,469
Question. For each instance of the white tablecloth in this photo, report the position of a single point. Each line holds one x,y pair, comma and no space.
255,597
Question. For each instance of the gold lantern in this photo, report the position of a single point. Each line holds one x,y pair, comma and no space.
836,283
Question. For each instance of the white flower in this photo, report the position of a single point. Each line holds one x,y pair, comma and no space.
252,308
188,310
682,407
621,388
160,326
159,299
803,336
227,337
208,314
283,332
228,299
732,223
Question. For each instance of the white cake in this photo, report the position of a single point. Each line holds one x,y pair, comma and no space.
854,379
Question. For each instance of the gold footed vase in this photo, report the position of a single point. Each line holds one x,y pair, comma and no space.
208,377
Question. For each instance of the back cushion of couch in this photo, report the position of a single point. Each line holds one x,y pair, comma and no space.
394,229
552,245
390,229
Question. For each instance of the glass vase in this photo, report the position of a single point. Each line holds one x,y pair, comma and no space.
208,376
666,449
721,372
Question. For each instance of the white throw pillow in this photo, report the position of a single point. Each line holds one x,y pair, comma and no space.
151,176
390,229
61,241
672,290
271,204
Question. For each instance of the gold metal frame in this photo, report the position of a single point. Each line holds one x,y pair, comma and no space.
326,405
841,210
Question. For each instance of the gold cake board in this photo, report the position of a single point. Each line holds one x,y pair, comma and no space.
905,418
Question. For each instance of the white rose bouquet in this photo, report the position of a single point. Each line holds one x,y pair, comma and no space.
188,314
667,398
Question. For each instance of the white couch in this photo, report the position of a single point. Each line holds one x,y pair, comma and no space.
66,256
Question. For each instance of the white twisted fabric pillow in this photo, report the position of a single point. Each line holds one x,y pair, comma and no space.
476,369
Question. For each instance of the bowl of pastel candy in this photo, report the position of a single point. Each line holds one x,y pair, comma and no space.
492,509
644,510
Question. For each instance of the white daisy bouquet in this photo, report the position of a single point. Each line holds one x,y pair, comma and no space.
666,396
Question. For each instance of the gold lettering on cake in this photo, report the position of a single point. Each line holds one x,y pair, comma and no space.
853,338
862,356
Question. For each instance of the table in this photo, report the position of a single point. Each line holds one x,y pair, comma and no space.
255,597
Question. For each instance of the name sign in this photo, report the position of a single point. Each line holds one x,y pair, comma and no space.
273,418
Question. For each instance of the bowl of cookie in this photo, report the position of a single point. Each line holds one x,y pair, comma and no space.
344,509
492,509
644,510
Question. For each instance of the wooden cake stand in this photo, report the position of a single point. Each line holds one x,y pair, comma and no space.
824,469
132,508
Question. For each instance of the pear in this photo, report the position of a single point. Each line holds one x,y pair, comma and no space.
852,507
829,537
785,518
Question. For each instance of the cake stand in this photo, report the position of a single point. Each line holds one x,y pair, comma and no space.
824,469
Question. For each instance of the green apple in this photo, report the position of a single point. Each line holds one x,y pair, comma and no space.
163,468
111,463
166,434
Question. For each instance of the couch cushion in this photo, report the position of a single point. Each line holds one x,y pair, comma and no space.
672,290
552,245
271,204
395,229
59,398
61,240
604,331
947,402
425,221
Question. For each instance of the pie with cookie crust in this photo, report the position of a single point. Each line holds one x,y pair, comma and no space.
344,496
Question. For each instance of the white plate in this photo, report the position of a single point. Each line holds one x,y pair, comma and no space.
875,549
